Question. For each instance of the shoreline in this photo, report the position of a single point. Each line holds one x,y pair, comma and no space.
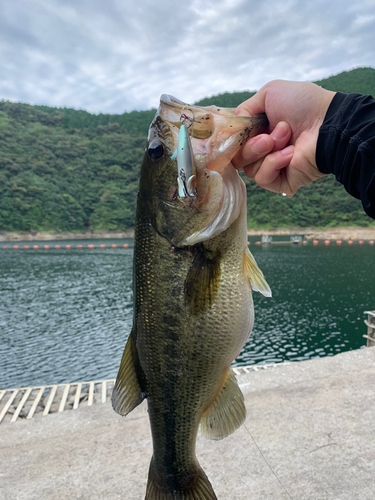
309,233
41,236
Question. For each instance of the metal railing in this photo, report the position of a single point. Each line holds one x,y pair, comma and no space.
33,402
370,323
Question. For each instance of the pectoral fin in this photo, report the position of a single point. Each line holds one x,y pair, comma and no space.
128,393
227,413
203,280
255,275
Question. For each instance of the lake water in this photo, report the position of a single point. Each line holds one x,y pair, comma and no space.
65,314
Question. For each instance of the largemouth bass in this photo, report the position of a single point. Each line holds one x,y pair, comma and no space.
193,275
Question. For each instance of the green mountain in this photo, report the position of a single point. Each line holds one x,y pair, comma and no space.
226,100
68,170
360,80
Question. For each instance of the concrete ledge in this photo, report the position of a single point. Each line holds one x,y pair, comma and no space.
309,435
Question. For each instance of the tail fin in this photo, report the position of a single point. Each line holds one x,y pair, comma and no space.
200,488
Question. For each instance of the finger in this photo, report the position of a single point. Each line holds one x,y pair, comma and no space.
268,175
251,170
281,135
254,149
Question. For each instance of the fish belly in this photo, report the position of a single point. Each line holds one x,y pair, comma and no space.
185,357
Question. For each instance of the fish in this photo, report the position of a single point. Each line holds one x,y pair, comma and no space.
193,277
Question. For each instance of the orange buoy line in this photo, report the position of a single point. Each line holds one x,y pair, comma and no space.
340,242
126,245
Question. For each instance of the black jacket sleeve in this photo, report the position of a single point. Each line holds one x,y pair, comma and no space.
346,146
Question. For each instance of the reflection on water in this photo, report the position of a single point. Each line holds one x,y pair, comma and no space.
65,314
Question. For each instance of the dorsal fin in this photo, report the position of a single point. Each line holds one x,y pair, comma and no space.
255,275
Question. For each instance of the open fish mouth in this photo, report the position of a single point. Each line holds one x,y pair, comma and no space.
216,134
201,142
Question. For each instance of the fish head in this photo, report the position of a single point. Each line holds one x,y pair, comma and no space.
188,183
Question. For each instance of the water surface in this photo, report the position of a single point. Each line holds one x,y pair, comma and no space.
65,314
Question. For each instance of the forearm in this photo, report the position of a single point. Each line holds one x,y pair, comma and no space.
346,146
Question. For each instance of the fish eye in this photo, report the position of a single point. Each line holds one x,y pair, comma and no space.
155,150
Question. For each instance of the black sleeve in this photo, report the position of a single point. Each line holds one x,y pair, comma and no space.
346,146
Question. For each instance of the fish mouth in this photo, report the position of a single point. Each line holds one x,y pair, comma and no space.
204,141
216,133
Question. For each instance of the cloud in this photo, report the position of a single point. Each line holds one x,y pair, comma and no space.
118,55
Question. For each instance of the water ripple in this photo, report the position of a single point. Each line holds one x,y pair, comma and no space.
65,315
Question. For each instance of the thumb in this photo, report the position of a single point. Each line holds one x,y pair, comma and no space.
253,106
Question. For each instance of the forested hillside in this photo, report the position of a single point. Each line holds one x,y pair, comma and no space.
69,170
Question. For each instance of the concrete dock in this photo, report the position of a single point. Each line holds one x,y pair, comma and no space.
309,435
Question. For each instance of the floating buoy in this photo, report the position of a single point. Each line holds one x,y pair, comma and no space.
125,245
46,247
360,242
257,242
315,242
35,247
327,242
26,247
79,246
248,243
16,247
5,247
370,242
338,242
57,247
68,247
350,242
113,246
91,246
101,246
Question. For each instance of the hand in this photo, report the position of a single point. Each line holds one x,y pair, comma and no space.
284,160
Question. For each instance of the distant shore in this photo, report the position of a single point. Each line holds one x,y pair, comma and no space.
310,233
313,233
39,236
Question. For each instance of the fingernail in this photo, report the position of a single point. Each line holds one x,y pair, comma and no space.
261,145
279,132
288,151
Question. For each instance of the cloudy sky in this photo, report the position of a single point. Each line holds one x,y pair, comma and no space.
119,55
